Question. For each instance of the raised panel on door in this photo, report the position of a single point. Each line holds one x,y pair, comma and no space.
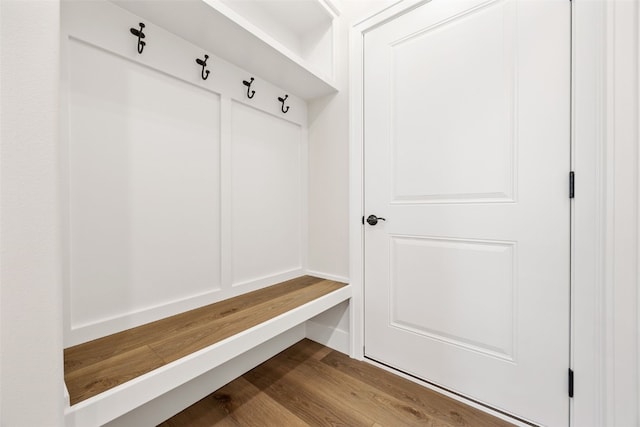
144,187
454,81
474,311
467,157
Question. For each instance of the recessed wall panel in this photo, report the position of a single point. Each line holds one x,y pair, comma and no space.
266,194
144,187
456,291
453,124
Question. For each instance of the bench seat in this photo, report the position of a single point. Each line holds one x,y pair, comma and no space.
113,375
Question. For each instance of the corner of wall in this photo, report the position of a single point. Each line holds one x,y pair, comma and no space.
31,292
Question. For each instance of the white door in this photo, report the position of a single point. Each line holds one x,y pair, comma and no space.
467,157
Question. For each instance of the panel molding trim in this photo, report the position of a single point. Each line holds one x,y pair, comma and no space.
168,56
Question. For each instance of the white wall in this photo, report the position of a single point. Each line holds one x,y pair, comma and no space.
31,386
329,178
329,155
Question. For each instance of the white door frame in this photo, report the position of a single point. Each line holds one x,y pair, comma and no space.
605,223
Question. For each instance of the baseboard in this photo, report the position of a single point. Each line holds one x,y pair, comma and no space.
268,280
169,404
327,276
336,339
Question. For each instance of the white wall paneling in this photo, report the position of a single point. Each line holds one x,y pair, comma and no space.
266,195
176,190
144,202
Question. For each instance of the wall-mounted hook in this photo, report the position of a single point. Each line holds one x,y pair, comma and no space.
248,85
205,73
282,100
140,35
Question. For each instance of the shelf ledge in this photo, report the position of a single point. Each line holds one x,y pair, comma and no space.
220,30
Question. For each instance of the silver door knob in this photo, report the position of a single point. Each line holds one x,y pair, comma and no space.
373,220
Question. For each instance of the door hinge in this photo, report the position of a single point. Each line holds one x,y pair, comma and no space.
570,382
572,185
362,219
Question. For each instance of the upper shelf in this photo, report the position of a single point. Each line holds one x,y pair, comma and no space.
289,43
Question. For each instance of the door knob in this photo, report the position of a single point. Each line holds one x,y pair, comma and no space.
373,220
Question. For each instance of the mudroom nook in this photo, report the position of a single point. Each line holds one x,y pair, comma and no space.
185,177
319,212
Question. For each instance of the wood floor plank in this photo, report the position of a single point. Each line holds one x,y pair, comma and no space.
263,410
206,412
339,391
94,379
239,403
376,403
431,402
99,365
322,352
301,397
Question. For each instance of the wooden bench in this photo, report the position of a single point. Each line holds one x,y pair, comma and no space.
113,375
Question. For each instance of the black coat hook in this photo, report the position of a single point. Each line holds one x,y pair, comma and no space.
248,85
205,73
282,100
140,35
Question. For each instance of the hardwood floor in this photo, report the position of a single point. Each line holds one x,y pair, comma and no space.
312,385
94,367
